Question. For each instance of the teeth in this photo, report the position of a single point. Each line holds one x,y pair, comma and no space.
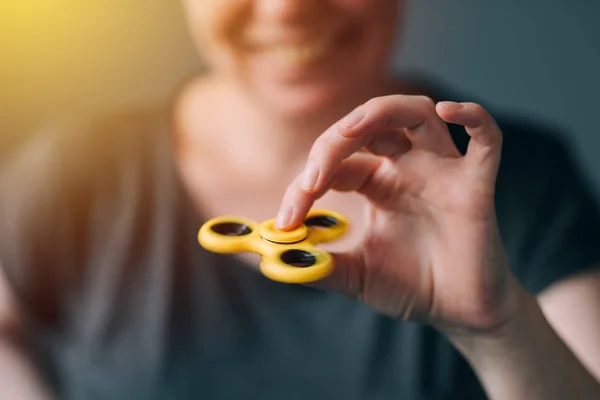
299,54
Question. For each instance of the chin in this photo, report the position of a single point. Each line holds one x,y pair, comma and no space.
303,101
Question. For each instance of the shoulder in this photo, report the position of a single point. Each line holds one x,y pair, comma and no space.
535,154
60,186
546,205
66,165
535,149
78,148
547,208
530,146
540,165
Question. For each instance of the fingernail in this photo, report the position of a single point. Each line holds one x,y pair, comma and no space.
351,120
450,105
310,175
284,217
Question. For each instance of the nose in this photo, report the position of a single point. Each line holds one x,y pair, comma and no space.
284,10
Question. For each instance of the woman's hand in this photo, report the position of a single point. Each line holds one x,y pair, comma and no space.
432,251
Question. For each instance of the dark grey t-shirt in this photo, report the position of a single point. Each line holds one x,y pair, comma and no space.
99,244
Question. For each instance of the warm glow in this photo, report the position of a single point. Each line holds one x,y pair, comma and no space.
69,56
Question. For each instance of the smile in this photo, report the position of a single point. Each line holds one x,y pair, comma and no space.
298,53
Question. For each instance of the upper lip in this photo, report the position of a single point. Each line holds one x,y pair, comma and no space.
287,39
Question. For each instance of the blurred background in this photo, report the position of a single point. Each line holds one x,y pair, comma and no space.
539,58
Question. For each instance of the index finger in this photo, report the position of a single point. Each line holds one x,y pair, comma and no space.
341,140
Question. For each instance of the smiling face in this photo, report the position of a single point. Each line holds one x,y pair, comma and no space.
295,56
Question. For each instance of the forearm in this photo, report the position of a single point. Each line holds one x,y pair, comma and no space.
528,360
18,378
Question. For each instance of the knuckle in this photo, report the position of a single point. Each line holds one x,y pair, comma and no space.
383,106
479,111
293,185
384,101
426,101
323,146
499,137
297,187
374,102
324,149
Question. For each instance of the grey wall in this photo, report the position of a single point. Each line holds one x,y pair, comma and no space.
537,57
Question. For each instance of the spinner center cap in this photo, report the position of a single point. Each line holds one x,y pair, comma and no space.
269,232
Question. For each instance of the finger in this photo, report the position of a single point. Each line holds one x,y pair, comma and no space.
485,147
373,177
389,144
410,117
364,173
356,172
413,115
353,173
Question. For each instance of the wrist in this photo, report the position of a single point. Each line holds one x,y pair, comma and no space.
523,319
525,358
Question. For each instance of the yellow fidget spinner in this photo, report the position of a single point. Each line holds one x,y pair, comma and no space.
286,256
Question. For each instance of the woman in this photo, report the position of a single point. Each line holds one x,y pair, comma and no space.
490,254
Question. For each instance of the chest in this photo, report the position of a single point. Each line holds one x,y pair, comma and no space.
239,336
189,323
